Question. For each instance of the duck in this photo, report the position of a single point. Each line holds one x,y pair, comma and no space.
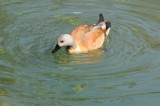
85,38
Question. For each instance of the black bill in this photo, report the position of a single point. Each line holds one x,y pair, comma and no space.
56,49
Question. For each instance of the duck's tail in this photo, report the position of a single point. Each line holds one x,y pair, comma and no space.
104,25
101,18
108,26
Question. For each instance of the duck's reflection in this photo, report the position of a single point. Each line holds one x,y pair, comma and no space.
85,58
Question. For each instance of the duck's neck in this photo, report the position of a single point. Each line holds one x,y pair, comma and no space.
72,47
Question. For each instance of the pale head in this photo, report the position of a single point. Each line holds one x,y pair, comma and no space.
65,40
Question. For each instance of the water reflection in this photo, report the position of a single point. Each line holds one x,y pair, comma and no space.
85,58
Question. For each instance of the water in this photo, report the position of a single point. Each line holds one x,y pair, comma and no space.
126,74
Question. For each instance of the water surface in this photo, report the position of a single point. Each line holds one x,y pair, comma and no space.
126,73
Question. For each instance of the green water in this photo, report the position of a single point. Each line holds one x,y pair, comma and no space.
126,74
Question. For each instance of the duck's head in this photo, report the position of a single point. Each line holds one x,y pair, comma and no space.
65,40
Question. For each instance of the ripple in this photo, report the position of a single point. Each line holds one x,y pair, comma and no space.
128,63
128,37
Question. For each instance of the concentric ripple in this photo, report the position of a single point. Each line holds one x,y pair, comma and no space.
126,71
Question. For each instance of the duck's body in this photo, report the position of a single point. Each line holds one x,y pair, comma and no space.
85,38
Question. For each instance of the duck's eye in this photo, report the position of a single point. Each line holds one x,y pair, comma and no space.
61,41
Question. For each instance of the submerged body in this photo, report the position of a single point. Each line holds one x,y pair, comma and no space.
85,38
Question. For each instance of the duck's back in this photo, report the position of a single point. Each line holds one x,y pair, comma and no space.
79,32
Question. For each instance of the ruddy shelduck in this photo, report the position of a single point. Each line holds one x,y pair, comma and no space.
85,38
